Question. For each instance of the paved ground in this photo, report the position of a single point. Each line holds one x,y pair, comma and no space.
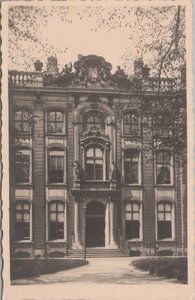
100,270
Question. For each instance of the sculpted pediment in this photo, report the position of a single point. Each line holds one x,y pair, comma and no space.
90,71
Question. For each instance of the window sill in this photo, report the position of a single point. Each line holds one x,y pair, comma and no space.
23,242
133,184
167,240
56,241
56,184
134,240
165,185
23,184
56,134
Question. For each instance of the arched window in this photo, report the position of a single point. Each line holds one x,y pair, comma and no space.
23,120
93,119
94,163
55,165
22,166
22,220
164,220
55,122
130,123
132,220
56,220
163,167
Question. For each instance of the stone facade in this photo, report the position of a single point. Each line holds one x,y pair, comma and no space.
79,172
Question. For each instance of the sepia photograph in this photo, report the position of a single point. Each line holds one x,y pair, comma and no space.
97,142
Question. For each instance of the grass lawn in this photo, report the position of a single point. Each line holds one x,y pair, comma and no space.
169,267
26,268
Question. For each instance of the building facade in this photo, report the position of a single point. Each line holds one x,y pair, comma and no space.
80,174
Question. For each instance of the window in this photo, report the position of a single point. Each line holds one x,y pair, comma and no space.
55,166
22,218
56,221
22,166
163,126
130,123
131,166
164,215
93,120
94,163
22,121
163,167
132,221
55,122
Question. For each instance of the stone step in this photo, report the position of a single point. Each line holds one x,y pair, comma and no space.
95,252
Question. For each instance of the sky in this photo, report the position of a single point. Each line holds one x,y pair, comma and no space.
114,32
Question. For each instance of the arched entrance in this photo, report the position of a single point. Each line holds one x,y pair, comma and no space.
95,224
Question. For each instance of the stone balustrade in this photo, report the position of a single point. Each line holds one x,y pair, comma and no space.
22,77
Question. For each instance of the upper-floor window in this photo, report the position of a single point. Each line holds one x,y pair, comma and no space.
131,166
163,125
94,163
163,167
55,165
93,120
55,122
130,123
164,219
22,221
22,166
23,121
56,221
132,220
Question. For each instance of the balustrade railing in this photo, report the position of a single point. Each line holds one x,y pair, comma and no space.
22,77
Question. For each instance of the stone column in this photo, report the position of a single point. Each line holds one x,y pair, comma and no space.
77,243
66,222
112,239
107,225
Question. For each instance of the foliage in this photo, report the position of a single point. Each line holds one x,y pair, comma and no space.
26,268
169,267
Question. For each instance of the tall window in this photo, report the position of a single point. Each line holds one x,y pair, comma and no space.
130,123
163,167
22,121
22,218
163,125
132,221
55,122
22,165
131,166
164,215
94,163
56,221
55,166
93,119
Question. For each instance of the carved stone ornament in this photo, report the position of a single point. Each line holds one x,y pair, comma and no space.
77,171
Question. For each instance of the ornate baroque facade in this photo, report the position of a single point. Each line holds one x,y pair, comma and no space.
79,171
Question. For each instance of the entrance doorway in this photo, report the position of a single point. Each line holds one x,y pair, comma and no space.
95,224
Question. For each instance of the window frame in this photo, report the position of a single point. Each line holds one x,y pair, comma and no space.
94,114
56,149
63,122
22,211
132,212
94,158
172,220
139,171
23,148
162,126
56,212
23,120
130,114
163,164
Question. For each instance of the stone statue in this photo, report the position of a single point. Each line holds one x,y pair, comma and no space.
77,171
112,173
